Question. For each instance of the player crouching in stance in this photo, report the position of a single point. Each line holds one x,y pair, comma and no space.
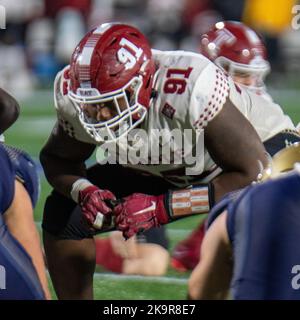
114,84
251,244
22,266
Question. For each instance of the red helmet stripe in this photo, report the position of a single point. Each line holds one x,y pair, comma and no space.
252,36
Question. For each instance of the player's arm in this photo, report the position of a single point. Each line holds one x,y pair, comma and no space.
63,160
9,110
232,143
235,146
211,277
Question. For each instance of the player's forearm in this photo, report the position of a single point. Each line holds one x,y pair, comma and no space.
231,181
9,110
61,174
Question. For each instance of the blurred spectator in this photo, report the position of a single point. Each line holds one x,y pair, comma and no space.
166,26
15,75
49,30
230,9
198,17
70,28
39,40
18,14
53,7
101,11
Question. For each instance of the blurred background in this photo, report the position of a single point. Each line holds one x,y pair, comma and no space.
40,36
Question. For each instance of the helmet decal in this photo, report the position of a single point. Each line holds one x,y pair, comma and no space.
236,48
111,67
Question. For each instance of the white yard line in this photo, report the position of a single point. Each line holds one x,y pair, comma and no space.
122,277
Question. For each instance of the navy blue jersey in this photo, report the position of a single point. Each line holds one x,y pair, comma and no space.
25,170
18,277
264,228
7,180
222,205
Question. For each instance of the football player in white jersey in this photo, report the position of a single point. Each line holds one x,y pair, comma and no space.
114,85
239,51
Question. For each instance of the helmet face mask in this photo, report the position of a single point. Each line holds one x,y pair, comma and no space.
126,112
238,50
111,68
251,75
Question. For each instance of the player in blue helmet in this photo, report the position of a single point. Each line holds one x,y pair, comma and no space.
22,270
251,244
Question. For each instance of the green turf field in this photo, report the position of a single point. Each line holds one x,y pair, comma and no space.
30,133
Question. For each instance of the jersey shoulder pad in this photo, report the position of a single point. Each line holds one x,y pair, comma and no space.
209,95
61,84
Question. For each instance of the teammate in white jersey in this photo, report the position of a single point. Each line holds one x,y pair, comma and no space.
239,51
115,84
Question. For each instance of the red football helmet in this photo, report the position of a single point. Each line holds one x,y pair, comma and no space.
237,49
112,66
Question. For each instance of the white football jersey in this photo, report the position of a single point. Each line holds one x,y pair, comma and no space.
191,91
260,91
264,114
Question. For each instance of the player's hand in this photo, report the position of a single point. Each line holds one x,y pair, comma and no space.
140,212
94,209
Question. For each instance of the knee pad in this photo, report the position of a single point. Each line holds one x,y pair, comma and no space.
25,171
62,219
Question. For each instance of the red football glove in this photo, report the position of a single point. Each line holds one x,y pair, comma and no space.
140,212
93,207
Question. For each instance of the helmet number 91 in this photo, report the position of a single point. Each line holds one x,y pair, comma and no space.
129,53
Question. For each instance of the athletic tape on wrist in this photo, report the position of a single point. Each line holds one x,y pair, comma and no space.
78,186
190,201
